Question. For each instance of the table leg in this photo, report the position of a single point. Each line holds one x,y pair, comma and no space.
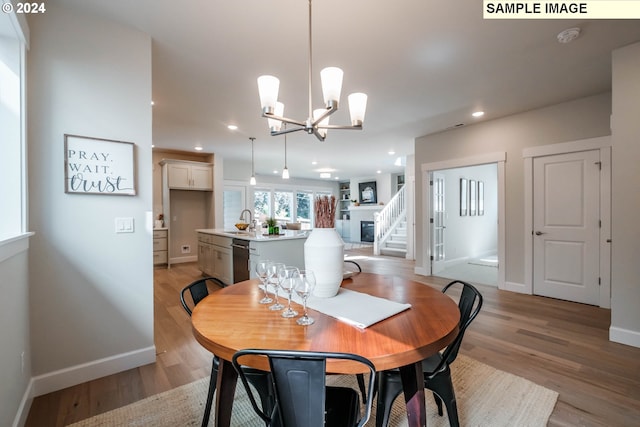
413,386
226,389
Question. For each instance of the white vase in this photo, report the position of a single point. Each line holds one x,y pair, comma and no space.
324,255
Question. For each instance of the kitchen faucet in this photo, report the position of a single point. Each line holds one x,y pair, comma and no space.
251,224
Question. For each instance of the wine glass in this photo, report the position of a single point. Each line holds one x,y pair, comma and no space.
287,278
304,287
274,268
262,270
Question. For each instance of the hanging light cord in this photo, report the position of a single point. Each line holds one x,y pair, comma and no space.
252,139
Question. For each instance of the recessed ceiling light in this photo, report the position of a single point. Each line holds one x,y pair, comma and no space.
153,146
198,148
232,127
478,114
391,152
153,103
336,177
314,162
325,175
379,171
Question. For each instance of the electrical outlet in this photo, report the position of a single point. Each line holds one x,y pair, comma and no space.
186,249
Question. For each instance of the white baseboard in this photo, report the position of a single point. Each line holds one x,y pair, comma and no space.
178,260
25,406
624,336
516,287
67,377
421,271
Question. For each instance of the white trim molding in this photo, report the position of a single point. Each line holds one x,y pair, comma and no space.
13,246
67,377
624,336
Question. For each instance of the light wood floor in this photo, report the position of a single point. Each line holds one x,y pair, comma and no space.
561,345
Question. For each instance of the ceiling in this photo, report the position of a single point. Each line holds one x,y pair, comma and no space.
425,65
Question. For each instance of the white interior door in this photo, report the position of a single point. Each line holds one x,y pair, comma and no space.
566,205
438,223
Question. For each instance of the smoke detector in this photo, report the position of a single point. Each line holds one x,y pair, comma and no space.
569,35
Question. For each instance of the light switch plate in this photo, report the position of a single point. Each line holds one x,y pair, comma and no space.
124,225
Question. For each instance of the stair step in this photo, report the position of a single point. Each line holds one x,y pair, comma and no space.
397,245
393,252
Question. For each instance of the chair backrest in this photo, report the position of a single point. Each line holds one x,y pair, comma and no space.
198,290
469,305
348,261
299,383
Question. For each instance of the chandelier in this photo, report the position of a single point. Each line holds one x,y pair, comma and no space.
317,121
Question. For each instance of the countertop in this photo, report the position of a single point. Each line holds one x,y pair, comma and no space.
253,236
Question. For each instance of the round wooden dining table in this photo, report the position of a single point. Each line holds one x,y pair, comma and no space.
232,319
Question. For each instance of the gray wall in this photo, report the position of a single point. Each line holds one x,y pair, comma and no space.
579,119
91,290
625,268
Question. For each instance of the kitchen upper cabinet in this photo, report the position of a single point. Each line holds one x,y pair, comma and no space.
184,175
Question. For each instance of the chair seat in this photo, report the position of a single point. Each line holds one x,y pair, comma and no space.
430,364
343,407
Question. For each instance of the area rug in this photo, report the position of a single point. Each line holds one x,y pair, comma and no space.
486,397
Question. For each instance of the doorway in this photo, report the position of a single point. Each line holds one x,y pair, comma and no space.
464,222
497,161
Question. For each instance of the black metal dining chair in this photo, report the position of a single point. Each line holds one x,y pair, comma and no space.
437,371
198,290
302,398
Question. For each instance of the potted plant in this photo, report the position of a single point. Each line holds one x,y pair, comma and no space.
272,225
324,248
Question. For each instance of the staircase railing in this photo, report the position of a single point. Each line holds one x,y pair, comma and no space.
387,219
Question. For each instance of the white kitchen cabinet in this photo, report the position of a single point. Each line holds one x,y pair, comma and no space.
289,251
184,175
215,257
160,246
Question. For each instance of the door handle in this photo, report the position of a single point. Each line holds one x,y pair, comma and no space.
539,233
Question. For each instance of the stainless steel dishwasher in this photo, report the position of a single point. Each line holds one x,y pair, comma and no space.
240,260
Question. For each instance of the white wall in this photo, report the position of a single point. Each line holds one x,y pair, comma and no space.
580,119
91,290
471,236
625,247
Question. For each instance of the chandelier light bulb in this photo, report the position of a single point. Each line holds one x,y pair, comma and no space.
268,87
276,125
331,78
357,108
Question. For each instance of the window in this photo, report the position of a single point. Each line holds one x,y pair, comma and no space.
282,206
12,161
304,213
261,204
286,205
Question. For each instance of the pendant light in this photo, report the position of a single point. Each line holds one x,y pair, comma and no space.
317,122
252,181
285,171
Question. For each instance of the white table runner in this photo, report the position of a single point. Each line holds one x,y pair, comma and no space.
356,308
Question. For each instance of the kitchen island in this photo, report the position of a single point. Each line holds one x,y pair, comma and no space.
231,256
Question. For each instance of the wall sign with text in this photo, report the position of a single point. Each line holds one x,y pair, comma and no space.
98,166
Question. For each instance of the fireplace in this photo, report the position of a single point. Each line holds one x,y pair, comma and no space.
367,231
